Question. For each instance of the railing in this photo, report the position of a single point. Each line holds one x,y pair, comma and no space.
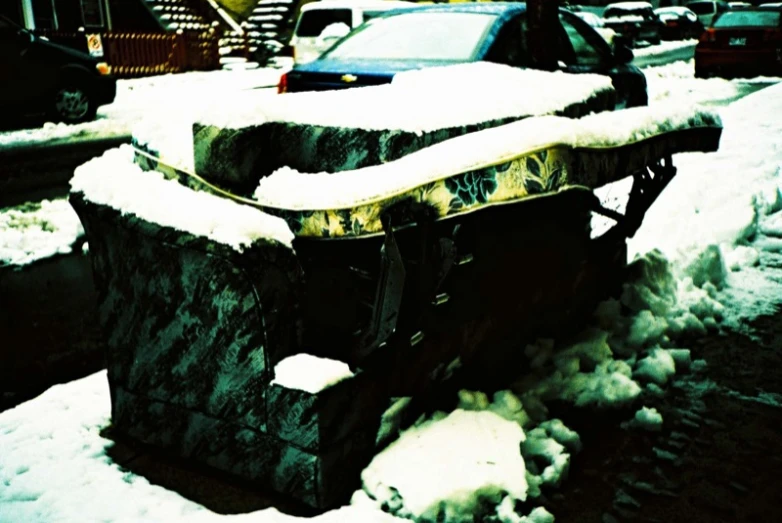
142,54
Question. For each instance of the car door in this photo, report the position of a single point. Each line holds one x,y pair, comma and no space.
582,50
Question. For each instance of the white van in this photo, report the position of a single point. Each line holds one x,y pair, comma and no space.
322,23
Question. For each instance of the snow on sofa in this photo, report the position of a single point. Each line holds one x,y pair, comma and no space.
264,332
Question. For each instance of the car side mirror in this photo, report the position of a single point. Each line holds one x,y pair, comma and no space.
25,37
622,52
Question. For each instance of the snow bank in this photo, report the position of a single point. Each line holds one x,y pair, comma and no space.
34,231
291,189
712,216
419,101
664,47
114,180
310,373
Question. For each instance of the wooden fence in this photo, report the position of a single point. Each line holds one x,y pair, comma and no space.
132,55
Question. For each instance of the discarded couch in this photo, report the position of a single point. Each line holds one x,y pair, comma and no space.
447,257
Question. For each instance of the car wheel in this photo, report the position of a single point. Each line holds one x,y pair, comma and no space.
72,104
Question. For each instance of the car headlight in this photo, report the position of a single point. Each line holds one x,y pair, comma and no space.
103,68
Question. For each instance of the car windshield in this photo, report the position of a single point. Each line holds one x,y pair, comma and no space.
419,36
616,12
748,19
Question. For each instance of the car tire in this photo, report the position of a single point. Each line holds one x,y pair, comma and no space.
73,103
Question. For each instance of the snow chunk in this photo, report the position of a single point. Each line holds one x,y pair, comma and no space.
608,385
646,418
740,257
506,512
310,373
443,483
540,447
708,267
658,366
114,180
34,231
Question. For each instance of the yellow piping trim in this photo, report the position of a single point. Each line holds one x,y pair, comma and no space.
505,159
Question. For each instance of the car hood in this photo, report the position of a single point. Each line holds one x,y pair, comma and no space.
62,50
367,67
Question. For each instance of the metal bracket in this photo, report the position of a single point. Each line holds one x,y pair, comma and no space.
388,295
648,184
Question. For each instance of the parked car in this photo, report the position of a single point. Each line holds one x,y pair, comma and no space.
741,43
679,23
320,24
707,11
444,34
635,21
598,24
38,76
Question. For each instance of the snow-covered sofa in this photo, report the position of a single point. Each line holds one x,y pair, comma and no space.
449,257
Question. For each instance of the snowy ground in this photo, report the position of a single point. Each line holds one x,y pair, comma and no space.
698,270
156,95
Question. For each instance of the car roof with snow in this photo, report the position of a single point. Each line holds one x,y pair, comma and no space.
630,5
347,4
498,8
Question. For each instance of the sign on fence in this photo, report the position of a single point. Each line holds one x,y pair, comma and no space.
95,45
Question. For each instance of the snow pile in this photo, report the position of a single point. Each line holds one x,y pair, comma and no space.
310,373
647,419
630,350
445,485
114,180
34,231
496,465
664,47
415,102
291,189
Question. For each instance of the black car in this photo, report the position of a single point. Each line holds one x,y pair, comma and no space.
444,34
635,21
38,76
680,23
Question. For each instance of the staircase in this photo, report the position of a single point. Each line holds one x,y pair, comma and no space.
263,35
180,15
